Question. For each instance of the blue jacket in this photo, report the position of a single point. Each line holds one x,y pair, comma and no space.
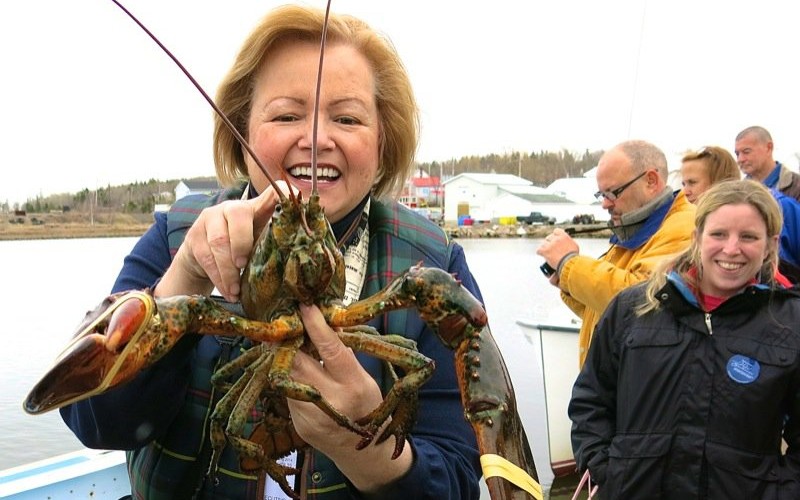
155,414
790,233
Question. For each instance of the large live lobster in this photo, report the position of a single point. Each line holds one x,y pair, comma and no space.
296,260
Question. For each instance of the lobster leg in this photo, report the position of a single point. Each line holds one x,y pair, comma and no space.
263,379
247,448
219,378
490,406
225,408
273,437
281,381
418,369
277,438
435,293
486,389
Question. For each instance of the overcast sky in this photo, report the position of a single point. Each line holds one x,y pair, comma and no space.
89,100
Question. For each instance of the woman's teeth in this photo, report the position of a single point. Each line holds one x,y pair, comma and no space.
730,266
322,172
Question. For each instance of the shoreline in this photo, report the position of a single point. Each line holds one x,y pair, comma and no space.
71,231
488,230
48,226
59,225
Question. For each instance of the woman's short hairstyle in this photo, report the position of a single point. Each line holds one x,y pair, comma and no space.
719,163
397,107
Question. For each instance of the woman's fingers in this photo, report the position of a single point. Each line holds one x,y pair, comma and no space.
342,375
231,242
341,381
219,244
337,358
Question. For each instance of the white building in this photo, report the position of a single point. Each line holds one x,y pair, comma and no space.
492,196
576,189
474,194
187,187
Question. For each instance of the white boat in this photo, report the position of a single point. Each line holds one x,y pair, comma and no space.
555,348
96,474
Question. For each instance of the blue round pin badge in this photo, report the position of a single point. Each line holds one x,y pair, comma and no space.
742,369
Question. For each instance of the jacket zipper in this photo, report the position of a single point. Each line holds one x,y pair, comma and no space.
708,323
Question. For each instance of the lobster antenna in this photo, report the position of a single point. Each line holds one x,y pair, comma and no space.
219,112
316,101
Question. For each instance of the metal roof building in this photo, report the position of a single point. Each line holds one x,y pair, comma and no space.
489,197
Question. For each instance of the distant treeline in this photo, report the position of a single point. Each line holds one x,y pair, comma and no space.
137,197
540,168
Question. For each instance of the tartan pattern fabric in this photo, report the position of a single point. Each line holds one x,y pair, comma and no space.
398,240
185,211
174,464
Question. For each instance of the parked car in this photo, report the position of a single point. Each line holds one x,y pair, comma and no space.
583,219
536,218
435,215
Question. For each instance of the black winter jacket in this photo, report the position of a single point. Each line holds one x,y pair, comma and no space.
682,404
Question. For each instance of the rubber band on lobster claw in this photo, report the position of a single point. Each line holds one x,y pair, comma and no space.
497,466
94,359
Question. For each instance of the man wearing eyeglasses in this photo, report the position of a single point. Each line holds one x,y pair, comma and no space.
650,222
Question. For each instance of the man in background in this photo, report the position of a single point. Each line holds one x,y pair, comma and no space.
650,222
753,152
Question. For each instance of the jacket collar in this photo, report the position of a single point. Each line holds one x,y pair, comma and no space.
676,289
632,236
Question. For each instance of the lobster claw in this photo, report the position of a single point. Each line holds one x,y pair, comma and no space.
99,355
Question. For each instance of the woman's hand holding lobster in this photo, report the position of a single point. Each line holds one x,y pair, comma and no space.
342,381
217,247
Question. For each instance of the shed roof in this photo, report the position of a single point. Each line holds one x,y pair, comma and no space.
424,181
493,179
200,184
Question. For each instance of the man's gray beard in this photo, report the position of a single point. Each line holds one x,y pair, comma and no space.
633,221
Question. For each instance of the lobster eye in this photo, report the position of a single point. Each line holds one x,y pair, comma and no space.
276,213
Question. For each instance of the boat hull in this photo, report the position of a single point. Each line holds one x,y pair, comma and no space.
96,474
555,351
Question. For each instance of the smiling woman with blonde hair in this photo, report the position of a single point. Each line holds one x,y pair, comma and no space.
693,377
365,136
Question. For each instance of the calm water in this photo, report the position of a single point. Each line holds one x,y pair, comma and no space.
48,287
50,284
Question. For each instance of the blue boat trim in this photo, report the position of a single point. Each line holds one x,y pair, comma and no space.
98,474
43,469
